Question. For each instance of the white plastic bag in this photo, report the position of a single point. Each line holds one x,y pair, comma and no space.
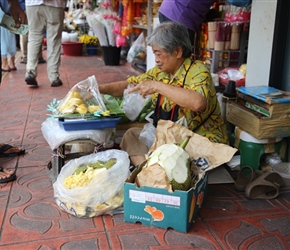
138,49
133,103
55,135
147,134
104,192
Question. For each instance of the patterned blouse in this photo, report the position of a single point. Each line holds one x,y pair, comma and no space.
208,122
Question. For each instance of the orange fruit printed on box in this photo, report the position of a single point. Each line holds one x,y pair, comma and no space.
156,214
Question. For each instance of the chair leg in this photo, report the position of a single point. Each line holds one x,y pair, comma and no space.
57,161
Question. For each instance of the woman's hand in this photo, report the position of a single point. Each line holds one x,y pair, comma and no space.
145,88
185,98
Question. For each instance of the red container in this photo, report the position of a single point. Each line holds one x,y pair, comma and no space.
72,48
224,79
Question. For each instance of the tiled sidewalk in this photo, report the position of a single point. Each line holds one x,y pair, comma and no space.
30,219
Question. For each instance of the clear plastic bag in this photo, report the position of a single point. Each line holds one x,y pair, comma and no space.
138,49
83,98
104,192
133,104
147,135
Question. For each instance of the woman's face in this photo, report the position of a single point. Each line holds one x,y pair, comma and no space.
165,61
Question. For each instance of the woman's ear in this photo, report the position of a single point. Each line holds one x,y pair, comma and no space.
178,52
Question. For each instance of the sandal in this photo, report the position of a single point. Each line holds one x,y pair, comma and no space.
7,150
6,70
6,179
266,186
245,176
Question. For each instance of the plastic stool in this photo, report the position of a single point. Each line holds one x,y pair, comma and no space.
251,152
251,149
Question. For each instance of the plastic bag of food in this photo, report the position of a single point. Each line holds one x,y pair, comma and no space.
83,98
92,185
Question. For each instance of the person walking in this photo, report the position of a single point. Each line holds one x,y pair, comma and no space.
8,50
19,17
44,16
24,43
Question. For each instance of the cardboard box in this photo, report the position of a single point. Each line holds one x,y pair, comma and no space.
259,126
159,208
269,110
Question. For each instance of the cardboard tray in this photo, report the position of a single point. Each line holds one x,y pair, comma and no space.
101,123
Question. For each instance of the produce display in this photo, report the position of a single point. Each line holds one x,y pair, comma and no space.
85,101
82,101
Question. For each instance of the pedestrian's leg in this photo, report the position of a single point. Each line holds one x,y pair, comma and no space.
36,23
40,56
5,66
12,62
24,44
54,29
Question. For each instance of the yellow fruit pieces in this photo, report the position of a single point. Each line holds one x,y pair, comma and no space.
80,180
81,109
83,175
74,103
94,108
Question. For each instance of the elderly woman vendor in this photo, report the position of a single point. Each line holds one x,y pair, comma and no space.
179,86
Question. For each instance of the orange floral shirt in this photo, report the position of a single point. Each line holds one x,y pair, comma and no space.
208,122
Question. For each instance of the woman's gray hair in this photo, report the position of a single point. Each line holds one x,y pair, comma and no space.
169,36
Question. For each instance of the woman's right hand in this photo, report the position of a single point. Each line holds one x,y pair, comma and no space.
145,88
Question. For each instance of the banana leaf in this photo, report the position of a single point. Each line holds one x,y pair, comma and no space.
115,105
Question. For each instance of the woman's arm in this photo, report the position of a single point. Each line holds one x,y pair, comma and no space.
186,98
115,88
